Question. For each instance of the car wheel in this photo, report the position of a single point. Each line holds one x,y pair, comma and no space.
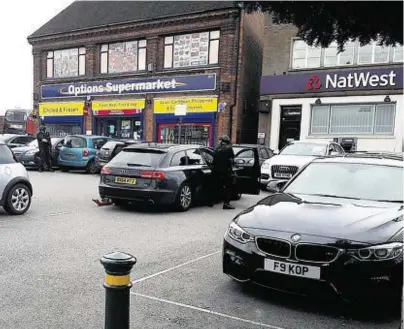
91,168
184,197
18,200
63,169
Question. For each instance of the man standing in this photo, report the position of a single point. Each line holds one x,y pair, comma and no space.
44,152
222,171
48,151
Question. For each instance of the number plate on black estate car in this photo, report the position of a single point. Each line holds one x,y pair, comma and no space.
311,272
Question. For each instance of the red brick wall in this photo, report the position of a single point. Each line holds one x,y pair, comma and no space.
228,21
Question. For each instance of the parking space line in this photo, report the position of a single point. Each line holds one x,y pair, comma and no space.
199,309
175,267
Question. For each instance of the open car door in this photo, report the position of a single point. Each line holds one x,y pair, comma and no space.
207,154
248,171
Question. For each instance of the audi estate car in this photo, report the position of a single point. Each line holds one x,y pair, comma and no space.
169,174
336,227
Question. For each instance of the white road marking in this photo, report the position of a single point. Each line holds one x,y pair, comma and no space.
175,267
195,308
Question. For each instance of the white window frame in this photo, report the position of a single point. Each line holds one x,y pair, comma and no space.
81,63
372,62
104,56
374,110
168,56
394,54
306,56
339,57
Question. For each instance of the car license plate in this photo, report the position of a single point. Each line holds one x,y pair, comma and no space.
70,156
124,180
311,272
281,175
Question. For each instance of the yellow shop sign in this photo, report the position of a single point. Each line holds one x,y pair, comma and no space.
119,105
193,104
60,109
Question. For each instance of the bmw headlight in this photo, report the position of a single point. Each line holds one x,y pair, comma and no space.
265,165
380,252
238,234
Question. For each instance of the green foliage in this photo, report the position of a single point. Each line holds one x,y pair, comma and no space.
320,23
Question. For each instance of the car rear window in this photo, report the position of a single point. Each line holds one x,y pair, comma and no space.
109,146
99,142
76,142
6,156
139,158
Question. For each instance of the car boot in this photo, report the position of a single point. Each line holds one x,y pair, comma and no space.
227,205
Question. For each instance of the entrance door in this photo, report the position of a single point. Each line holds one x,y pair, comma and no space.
291,117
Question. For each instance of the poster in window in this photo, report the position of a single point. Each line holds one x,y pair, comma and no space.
192,49
66,63
123,57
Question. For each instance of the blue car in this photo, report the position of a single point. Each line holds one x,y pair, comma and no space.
79,152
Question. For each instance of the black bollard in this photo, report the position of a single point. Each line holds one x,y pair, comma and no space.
117,285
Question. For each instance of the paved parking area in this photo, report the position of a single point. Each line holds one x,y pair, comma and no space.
50,275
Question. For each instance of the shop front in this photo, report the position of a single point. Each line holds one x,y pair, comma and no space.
61,119
120,119
365,105
185,120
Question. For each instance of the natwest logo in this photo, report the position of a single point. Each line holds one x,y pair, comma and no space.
313,83
359,80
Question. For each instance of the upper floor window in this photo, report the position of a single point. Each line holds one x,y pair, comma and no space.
191,50
121,57
66,63
306,57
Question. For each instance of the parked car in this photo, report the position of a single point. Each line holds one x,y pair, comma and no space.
79,152
336,227
13,140
264,152
15,187
29,155
110,150
168,174
293,156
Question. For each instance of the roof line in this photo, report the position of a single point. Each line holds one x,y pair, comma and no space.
176,17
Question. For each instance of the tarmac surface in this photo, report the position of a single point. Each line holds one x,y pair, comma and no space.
51,277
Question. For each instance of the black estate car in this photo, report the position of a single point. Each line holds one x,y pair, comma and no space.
168,174
337,226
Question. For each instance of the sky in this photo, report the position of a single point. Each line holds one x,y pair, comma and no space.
18,19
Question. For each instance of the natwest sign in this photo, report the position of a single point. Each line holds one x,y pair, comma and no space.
360,79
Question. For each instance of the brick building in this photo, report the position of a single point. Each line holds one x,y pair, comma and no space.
146,68
310,93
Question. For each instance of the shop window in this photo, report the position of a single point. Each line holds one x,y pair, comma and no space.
122,57
368,119
190,134
333,58
66,63
191,50
398,54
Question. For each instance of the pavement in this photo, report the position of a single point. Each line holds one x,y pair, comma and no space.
51,277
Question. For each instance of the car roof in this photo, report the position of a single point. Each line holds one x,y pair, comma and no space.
87,136
165,147
311,142
364,159
248,145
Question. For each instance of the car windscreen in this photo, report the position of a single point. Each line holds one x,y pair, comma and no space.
6,155
246,154
109,145
139,158
304,149
350,180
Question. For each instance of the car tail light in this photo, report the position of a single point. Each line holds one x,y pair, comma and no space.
85,153
158,175
106,171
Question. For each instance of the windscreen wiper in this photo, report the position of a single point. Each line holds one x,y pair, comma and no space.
137,165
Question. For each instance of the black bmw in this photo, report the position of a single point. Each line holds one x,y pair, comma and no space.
336,227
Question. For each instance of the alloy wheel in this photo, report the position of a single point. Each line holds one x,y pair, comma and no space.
185,196
20,199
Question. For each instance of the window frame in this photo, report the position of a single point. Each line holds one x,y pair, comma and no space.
192,151
107,45
394,55
81,59
372,62
173,156
374,105
171,44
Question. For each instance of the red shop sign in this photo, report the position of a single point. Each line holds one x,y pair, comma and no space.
117,112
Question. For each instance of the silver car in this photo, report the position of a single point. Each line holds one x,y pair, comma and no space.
15,187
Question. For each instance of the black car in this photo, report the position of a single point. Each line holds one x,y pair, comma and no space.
336,227
29,155
110,149
168,174
264,152
13,140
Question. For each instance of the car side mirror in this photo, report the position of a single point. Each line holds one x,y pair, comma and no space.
276,186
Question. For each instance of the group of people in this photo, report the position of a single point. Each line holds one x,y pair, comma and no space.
45,149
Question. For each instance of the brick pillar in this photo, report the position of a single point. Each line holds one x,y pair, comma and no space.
91,60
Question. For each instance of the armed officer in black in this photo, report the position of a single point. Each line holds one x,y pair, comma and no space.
44,145
222,171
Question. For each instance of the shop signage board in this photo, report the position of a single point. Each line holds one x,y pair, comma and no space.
118,107
61,109
333,81
164,84
192,104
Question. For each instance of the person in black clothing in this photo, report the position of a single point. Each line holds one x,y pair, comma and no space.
44,146
222,172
